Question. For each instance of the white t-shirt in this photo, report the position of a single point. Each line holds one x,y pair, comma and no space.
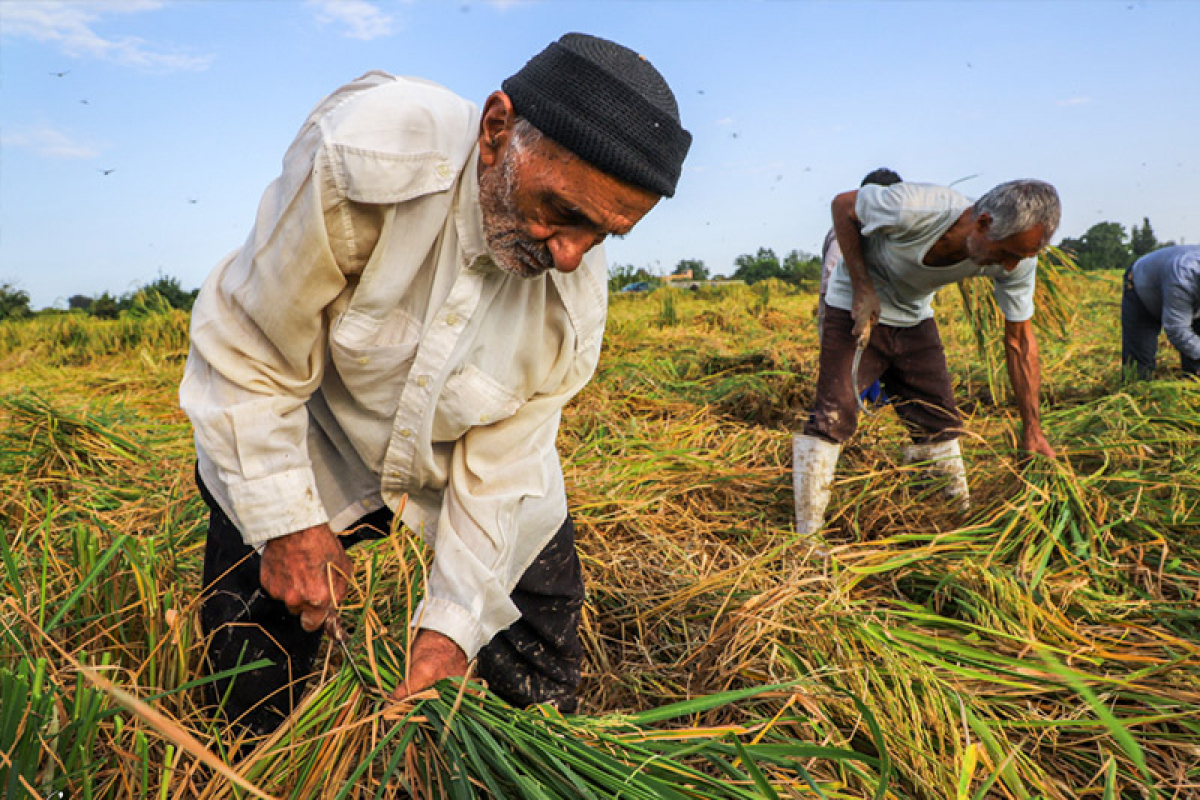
899,224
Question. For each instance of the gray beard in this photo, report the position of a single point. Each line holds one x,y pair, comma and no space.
511,248
516,253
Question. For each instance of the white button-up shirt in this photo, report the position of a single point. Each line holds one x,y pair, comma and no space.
362,346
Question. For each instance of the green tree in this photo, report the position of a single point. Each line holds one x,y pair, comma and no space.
1142,240
693,265
800,267
105,307
1104,246
14,302
79,302
759,267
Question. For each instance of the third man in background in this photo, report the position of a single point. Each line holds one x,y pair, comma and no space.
1162,292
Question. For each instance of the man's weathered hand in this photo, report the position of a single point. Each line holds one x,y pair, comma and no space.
434,656
1034,442
308,571
865,311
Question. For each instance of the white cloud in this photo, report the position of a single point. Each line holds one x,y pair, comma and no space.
725,121
361,19
71,27
1075,101
49,142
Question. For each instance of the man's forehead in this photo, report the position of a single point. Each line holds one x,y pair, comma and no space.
610,204
1034,235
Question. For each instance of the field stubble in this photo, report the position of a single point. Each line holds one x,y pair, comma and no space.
1043,645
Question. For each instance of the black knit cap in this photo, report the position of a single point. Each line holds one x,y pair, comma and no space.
607,105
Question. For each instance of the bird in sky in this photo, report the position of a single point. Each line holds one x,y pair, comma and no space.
107,171
62,74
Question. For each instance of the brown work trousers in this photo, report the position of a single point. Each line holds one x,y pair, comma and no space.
909,363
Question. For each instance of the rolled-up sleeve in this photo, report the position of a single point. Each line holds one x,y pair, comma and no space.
881,209
258,332
1014,291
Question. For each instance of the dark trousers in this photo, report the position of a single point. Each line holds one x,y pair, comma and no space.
1139,334
910,364
537,659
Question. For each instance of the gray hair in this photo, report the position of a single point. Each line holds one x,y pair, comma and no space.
1020,205
525,135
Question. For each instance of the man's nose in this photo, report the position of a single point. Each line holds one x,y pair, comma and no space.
567,248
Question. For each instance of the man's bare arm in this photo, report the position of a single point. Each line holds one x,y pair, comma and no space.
1024,371
847,227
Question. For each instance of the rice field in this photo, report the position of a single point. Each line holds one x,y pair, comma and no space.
1044,644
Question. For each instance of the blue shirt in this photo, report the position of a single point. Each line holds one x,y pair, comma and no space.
1167,282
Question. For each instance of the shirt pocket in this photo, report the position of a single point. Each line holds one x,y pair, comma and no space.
374,356
471,398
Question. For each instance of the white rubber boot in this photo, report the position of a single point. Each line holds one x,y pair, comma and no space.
944,460
813,463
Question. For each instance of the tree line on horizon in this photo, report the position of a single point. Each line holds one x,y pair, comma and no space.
1105,245
161,294
797,268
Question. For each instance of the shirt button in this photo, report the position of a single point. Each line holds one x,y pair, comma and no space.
422,380
405,433
484,418
364,360
452,319
443,170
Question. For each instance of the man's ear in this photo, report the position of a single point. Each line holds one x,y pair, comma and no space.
983,222
495,128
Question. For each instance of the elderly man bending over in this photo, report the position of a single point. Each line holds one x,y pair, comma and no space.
422,292
1162,293
900,244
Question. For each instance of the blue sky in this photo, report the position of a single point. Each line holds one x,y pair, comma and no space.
192,104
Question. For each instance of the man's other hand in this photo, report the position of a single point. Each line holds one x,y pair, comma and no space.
1036,443
308,571
434,656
